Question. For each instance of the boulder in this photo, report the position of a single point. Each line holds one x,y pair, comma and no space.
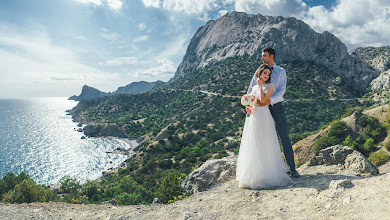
349,159
331,156
357,162
211,172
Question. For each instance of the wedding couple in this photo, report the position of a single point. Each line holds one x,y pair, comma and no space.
260,163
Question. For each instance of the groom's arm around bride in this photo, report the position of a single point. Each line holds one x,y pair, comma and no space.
279,79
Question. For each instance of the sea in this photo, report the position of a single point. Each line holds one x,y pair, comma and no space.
39,138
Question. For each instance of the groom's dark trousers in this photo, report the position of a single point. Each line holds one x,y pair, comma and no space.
279,116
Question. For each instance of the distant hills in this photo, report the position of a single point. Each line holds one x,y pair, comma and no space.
90,93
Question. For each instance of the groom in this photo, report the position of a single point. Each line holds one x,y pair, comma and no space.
279,79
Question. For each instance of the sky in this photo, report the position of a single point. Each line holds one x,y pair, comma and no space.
53,48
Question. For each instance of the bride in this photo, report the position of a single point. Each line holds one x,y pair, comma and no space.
260,163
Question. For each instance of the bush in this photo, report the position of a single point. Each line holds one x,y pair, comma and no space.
324,142
369,146
350,143
10,181
28,191
337,129
69,185
170,187
379,158
91,190
221,154
2,189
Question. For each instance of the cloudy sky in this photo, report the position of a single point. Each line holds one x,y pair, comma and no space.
53,48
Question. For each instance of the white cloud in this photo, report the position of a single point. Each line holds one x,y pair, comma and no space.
32,65
286,8
95,2
141,38
165,67
142,26
200,7
113,4
108,35
151,3
222,12
120,61
355,22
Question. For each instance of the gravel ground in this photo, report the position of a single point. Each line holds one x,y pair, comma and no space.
307,198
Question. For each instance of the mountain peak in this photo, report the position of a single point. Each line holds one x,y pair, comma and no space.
238,34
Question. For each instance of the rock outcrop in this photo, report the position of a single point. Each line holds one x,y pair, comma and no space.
220,170
379,59
88,93
105,130
211,172
349,159
382,82
139,87
238,33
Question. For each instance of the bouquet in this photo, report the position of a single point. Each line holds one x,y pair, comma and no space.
248,100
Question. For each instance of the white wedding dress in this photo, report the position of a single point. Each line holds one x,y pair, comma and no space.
260,164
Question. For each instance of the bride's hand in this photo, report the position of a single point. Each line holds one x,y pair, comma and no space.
259,82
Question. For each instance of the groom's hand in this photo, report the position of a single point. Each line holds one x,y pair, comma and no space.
264,104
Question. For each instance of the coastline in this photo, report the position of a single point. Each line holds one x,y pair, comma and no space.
128,152
108,131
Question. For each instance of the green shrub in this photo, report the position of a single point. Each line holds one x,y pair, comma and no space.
10,181
91,190
170,187
337,129
350,142
324,142
2,189
28,191
378,158
221,154
369,146
69,185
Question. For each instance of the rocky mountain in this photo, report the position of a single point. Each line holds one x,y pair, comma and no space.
89,93
238,34
139,87
377,57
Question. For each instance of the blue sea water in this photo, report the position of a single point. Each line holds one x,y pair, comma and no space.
37,137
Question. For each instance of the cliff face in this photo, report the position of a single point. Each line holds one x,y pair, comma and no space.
139,87
379,59
236,34
88,93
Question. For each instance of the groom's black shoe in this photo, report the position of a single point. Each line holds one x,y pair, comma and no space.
295,174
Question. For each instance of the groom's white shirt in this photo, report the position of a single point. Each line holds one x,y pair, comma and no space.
279,79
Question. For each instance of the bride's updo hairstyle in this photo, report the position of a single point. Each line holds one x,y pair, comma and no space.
261,69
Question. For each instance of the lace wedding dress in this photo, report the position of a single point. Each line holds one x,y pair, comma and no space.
260,163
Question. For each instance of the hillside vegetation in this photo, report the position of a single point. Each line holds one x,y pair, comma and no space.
200,126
